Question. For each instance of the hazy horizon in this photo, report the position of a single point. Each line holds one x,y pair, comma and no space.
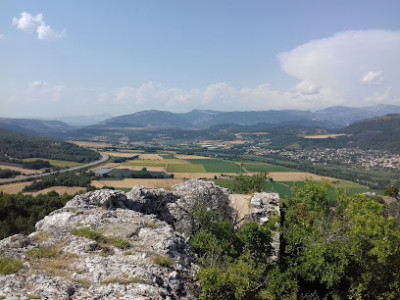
90,58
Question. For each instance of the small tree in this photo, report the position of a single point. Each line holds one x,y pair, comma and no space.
393,191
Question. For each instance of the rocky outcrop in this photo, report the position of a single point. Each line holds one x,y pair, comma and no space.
192,193
113,245
176,207
98,247
264,208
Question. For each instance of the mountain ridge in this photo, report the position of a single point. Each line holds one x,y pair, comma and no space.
329,118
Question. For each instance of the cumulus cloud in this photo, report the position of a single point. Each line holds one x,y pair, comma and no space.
348,64
372,78
352,68
35,24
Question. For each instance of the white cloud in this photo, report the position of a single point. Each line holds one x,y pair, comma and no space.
372,78
36,84
2,37
345,66
35,24
44,32
353,68
307,88
27,22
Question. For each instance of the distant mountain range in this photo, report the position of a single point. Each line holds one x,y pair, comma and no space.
35,127
332,117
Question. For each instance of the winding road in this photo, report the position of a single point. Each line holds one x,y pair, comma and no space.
104,158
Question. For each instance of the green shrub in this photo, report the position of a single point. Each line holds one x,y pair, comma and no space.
9,265
120,243
43,252
162,261
250,184
102,240
122,280
90,234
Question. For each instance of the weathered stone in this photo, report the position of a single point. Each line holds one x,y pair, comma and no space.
141,254
263,208
88,269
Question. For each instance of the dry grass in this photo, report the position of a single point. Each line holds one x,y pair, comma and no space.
41,237
323,136
57,163
107,166
162,261
91,144
138,168
46,252
150,157
120,154
59,266
184,156
129,183
124,279
13,188
22,170
70,190
200,175
297,176
236,142
155,163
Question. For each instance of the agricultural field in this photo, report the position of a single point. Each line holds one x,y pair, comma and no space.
129,183
257,167
216,165
296,176
70,190
13,188
323,136
155,163
191,166
121,154
57,163
285,188
22,170
186,168
91,144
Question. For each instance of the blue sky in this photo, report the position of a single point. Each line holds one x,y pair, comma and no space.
66,58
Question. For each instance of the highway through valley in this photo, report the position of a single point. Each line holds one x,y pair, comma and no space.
103,159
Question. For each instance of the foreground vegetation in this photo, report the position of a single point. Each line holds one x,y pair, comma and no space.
19,213
81,179
346,248
342,247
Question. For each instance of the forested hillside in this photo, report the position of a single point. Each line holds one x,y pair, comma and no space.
347,248
377,133
19,146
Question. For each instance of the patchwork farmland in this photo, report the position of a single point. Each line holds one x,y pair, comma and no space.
179,167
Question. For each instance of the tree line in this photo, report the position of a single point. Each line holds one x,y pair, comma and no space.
348,248
19,213
17,146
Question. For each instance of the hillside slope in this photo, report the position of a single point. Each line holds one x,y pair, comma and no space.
33,126
377,133
18,145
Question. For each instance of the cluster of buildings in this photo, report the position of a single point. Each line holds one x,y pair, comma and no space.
343,156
